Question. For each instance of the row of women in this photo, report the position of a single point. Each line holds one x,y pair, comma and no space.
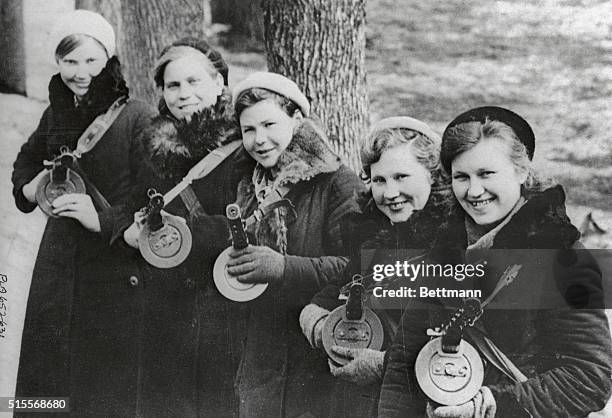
119,336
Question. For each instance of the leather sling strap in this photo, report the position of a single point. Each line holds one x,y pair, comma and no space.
485,345
494,355
190,200
94,132
89,139
202,169
275,199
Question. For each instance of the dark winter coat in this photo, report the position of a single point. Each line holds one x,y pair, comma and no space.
372,239
279,374
563,350
371,235
191,337
79,330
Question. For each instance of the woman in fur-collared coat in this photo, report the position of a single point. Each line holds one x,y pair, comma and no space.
190,336
408,199
548,321
297,249
78,331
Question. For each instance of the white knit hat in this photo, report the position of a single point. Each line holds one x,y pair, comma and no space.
86,23
276,83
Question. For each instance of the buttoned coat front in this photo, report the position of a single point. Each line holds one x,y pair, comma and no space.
81,319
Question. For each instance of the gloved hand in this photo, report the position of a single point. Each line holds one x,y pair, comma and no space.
256,264
312,320
482,405
365,365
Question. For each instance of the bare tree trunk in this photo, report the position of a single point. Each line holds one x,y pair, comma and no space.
12,65
320,44
144,27
244,16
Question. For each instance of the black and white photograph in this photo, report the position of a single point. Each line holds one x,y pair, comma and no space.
306,208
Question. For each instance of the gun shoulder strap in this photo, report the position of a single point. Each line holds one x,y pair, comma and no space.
90,138
204,167
494,355
95,131
191,201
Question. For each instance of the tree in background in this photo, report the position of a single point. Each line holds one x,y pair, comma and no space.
244,18
12,64
320,44
144,27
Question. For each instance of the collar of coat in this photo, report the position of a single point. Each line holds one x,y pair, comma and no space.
542,222
371,229
172,146
71,120
307,155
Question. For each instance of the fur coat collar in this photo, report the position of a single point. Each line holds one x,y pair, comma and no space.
173,146
371,229
540,223
307,155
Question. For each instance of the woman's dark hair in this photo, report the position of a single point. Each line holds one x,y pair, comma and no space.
182,48
72,42
253,96
178,51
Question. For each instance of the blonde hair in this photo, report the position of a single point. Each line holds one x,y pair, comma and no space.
426,150
465,136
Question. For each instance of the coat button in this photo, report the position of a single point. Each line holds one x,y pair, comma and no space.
194,322
189,284
133,281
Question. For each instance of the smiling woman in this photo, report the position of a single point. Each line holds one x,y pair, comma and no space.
408,198
181,306
80,58
191,82
563,349
267,130
296,247
486,183
400,184
79,298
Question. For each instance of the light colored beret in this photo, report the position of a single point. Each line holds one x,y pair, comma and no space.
276,83
405,122
86,23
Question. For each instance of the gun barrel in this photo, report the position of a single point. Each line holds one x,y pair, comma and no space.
239,236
